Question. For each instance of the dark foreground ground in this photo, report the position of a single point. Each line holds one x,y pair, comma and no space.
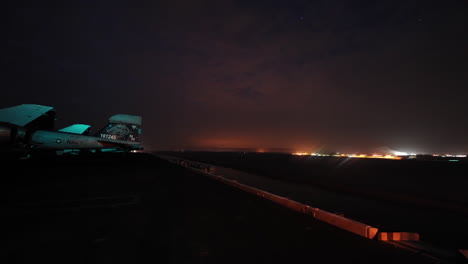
141,209
422,196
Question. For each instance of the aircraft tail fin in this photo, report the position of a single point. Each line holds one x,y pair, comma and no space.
122,127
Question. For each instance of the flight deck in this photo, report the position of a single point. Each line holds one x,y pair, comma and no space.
137,208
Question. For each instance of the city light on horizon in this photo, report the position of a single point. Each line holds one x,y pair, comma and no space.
395,156
367,156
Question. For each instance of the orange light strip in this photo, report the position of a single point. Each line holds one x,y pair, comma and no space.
362,156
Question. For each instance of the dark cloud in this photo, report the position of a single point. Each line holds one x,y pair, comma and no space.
357,75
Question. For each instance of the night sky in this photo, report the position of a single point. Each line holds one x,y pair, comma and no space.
344,76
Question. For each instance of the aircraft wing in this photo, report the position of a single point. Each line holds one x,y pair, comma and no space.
76,129
21,115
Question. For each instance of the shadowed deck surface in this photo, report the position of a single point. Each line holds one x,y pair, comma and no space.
422,196
129,209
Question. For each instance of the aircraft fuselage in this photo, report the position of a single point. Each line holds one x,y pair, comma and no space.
43,139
